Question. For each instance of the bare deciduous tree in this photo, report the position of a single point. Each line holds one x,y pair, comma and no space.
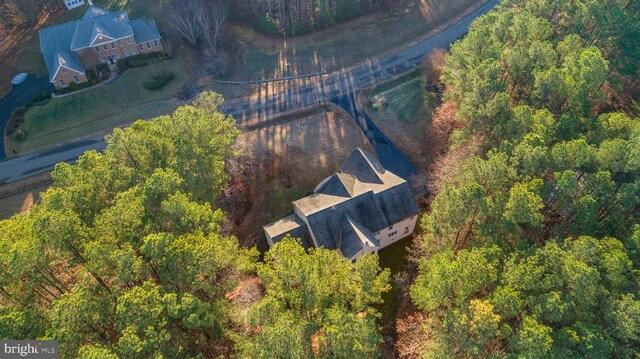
186,19
216,14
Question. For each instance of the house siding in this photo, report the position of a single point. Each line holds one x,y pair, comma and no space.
146,50
386,236
68,78
90,57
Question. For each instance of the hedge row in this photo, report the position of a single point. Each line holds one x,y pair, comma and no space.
75,87
157,81
140,60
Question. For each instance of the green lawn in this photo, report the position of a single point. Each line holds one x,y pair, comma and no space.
407,115
94,110
393,257
410,102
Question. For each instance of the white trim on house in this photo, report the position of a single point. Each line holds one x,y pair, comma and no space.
94,43
102,43
66,68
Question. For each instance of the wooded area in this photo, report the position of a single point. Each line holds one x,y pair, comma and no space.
532,245
128,256
21,14
295,17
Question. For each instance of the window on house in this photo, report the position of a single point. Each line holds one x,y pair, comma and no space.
62,83
117,55
76,79
155,43
126,52
103,59
148,45
133,51
119,42
129,40
141,48
64,71
105,47
392,234
113,45
406,230
98,49
390,228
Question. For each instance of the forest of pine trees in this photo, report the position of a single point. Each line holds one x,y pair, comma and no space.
532,246
127,256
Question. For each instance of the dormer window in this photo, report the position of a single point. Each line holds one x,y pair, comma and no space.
128,40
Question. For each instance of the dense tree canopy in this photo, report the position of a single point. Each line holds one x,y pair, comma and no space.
531,249
125,254
316,305
126,257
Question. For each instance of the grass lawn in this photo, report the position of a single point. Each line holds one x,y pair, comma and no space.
408,112
342,45
393,257
92,111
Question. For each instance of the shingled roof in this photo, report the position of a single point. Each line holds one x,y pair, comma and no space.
55,43
108,25
144,30
349,206
58,43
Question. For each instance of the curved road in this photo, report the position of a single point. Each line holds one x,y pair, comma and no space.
338,87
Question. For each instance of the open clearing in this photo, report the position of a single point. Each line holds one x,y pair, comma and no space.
408,113
369,36
98,109
294,156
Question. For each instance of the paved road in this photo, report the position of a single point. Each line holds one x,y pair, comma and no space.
19,96
274,98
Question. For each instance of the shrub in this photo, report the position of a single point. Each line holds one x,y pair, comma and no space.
75,87
140,60
267,25
39,99
157,81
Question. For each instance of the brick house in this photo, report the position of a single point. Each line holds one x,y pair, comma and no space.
70,49
361,209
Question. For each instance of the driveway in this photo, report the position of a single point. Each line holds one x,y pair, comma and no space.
19,96
339,87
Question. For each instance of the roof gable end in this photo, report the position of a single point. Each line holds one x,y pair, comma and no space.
364,166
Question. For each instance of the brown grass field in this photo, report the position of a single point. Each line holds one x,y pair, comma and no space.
294,154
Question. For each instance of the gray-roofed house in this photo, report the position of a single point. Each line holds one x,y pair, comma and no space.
358,210
101,36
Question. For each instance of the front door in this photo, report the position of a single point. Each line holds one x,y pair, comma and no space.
111,59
